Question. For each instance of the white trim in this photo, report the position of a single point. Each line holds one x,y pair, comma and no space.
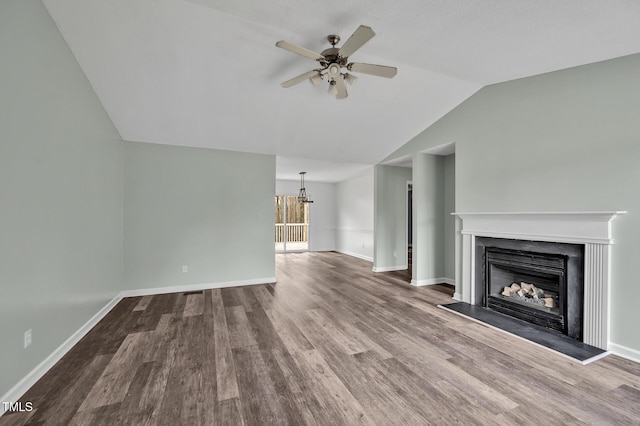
457,296
195,287
570,227
432,281
624,352
359,256
537,237
16,392
390,268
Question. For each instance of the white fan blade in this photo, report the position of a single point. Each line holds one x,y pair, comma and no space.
362,35
379,70
342,88
299,50
298,79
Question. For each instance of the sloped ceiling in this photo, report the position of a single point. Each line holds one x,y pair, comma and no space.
206,73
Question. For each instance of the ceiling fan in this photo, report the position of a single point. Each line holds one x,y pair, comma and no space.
334,62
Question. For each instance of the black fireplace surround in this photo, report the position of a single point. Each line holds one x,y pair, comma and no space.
552,272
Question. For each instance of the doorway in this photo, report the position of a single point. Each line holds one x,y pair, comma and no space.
291,224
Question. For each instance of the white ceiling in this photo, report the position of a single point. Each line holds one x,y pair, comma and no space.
206,73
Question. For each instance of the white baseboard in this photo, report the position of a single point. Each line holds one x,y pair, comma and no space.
432,281
390,268
624,352
196,287
16,392
359,256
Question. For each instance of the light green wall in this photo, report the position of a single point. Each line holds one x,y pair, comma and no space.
434,234
60,192
448,225
563,141
354,215
428,218
210,210
390,216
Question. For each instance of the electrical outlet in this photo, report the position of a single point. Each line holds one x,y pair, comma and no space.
27,338
185,268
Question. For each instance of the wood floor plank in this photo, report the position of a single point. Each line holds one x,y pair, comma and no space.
331,393
228,413
163,328
240,333
528,414
83,418
191,370
424,396
69,403
208,355
290,334
348,345
263,330
163,359
227,386
246,298
427,357
253,379
159,305
622,366
129,406
511,379
194,305
111,387
143,303
170,406
303,398
331,343
18,419
264,297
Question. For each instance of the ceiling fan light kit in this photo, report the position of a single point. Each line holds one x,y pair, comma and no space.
334,63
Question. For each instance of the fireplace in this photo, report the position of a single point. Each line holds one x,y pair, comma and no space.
536,281
590,230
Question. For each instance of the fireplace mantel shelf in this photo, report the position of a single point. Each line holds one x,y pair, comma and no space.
571,227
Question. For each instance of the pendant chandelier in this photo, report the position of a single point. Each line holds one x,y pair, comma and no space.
302,195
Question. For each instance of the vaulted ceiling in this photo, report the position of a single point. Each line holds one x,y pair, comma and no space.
206,73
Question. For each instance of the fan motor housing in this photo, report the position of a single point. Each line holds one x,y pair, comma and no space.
331,56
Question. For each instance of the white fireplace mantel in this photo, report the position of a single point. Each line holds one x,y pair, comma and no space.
593,229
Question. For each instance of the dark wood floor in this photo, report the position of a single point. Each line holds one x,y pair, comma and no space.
330,344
